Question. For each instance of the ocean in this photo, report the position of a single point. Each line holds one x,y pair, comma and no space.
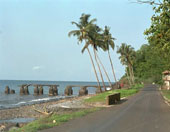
16,100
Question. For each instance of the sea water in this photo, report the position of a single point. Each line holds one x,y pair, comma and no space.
16,100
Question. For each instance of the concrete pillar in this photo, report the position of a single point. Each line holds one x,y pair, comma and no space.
41,90
51,91
55,90
36,90
68,91
98,91
12,91
26,90
7,90
22,91
83,91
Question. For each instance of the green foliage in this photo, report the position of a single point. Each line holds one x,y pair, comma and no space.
153,59
149,65
47,122
158,34
127,58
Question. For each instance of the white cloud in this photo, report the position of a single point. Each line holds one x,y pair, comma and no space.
36,68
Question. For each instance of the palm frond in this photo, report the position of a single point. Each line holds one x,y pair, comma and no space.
85,47
74,33
78,25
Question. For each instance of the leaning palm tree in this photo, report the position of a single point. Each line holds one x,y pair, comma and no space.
94,38
109,42
127,55
105,71
84,27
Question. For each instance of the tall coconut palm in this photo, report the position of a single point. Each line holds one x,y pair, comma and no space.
94,38
109,42
127,55
81,33
104,71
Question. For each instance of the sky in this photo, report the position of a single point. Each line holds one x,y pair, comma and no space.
34,42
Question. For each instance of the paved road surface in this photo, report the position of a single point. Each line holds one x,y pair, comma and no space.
144,112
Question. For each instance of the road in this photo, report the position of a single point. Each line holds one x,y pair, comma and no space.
144,112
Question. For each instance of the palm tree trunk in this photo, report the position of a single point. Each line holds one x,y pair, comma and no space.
133,74
105,71
112,68
130,72
94,69
99,69
128,77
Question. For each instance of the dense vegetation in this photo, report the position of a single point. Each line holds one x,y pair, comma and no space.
154,58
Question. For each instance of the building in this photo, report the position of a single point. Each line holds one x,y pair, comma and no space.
166,79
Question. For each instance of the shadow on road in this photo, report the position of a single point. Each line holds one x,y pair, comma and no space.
121,101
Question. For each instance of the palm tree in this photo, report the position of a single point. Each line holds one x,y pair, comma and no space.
94,38
105,71
127,56
84,27
109,42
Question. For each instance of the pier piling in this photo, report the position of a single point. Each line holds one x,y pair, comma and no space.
22,91
36,90
55,90
26,90
83,91
68,91
12,91
7,90
51,91
41,91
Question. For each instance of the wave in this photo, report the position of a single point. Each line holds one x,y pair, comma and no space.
34,101
47,99
19,103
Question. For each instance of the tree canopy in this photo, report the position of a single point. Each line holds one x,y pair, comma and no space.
153,58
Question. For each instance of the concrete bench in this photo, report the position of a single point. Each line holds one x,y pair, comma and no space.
113,98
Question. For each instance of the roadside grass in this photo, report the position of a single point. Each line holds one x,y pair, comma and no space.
123,92
166,93
47,122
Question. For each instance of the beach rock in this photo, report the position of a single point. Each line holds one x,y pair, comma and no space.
7,90
83,91
22,91
41,91
68,91
51,91
36,91
55,90
26,90
12,91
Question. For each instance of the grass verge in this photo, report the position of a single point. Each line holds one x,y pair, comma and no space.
47,122
124,93
166,93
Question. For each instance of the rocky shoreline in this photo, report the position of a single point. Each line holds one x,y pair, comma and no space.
26,112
